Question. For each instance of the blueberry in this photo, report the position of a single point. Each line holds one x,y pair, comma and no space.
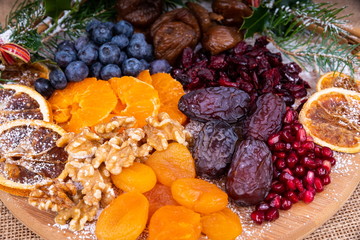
109,53
58,79
76,71
101,34
124,27
66,44
138,36
88,54
90,26
81,42
120,40
140,49
109,71
160,65
95,69
122,58
43,86
110,25
63,58
145,63
132,67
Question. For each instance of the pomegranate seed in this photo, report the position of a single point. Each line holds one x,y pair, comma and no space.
262,206
280,154
308,145
311,189
290,185
326,180
287,170
275,202
309,138
273,158
321,172
274,138
280,164
301,194
287,136
278,187
271,214
299,171
291,160
301,151
296,145
276,173
299,185
317,150
308,196
318,185
270,196
292,196
290,116
308,162
258,216
331,160
297,126
284,177
311,155
309,178
318,162
285,204
301,135
326,152
280,146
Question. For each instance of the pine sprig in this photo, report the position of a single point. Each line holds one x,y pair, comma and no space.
308,33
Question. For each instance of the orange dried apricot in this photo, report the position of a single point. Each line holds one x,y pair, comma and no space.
199,195
173,163
124,219
138,177
159,196
221,225
170,91
176,223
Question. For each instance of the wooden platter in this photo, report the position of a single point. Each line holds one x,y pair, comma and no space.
298,222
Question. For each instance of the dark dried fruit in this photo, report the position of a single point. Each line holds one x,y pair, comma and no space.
213,149
141,13
233,11
266,119
250,175
173,32
215,103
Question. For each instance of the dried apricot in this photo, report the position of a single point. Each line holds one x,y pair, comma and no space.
159,196
221,225
124,219
176,223
173,163
138,177
199,195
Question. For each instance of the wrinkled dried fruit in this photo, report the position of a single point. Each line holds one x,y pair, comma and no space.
221,225
250,175
173,163
213,149
215,103
199,195
125,218
175,222
267,118
233,11
138,177
158,197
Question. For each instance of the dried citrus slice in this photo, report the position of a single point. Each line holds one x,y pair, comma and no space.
29,155
140,98
83,104
332,117
337,79
170,92
21,102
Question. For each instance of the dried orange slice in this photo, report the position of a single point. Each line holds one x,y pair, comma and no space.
337,79
140,99
170,91
332,117
29,155
21,102
83,104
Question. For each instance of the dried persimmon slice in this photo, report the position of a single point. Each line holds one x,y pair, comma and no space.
29,155
332,117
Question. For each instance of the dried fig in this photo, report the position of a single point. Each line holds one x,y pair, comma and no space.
141,13
233,11
174,31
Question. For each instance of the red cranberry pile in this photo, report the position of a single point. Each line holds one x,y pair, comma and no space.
253,69
301,169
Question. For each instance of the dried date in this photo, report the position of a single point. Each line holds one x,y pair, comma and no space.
215,103
250,175
266,119
213,149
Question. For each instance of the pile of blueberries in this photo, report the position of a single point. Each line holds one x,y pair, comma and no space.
106,50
